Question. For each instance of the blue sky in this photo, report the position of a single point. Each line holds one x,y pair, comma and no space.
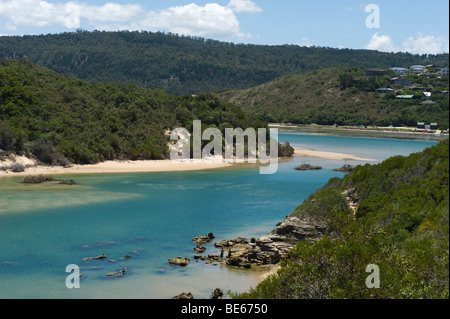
412,26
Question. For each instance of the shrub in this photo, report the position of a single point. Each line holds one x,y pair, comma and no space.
17,168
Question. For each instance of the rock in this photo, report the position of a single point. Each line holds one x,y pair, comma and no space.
180,261
198,256
118,273
295,229
217,294
67,182
214,257
199,248
231,243
103,256
270,249
204,239
305,167
184,296
345,168
127,256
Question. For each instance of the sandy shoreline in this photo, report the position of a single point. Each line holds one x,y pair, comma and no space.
378,130
151,165
330,155
118,167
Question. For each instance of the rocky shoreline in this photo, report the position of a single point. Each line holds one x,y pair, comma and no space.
265,250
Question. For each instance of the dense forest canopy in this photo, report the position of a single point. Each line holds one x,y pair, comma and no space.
60,119
345,96
401,225
187,65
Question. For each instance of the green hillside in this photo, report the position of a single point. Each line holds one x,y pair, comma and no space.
60,119
187,65
343,96
401,225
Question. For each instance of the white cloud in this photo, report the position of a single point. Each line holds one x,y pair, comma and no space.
39,13
210,20
244,6
426,44
422,44
305,42
381,43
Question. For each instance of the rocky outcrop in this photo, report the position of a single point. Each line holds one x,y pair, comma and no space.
179,261
270,249
231,243
352,198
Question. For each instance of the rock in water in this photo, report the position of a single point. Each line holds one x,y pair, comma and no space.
180,261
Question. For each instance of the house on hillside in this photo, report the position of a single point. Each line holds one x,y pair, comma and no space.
416,88
421,125
405,97
419,69
385,90
443,71
427,95
400,71
428,102
400,81
377,72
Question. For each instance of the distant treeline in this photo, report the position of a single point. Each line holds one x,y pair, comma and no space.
60,119
187,65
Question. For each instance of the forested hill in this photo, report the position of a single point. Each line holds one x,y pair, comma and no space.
186,65
394,215
345,96
59,119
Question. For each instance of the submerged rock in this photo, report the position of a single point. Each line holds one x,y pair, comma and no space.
101,257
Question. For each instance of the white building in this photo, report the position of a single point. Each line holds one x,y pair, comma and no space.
443,71
400,71
419,69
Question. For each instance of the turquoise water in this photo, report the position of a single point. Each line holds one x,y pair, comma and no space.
153,217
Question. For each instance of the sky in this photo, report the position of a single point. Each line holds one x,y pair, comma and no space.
419,27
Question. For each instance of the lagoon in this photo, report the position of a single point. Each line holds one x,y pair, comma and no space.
153,217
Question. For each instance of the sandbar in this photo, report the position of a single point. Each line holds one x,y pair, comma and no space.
330,155
119,167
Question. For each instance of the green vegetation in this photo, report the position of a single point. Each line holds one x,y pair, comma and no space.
343,96
60,119
187,65
401,224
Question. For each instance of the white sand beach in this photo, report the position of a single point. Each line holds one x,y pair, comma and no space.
115,167
329,155
32,168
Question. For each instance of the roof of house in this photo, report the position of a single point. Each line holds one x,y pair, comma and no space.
405,96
